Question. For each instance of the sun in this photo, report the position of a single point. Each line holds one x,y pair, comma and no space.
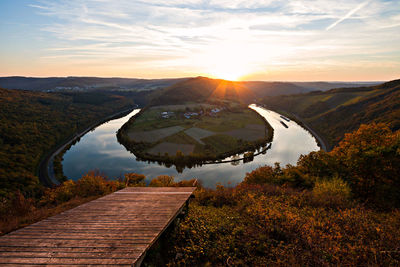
229,65
227,61
228,72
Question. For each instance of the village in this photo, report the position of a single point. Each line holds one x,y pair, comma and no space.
190,114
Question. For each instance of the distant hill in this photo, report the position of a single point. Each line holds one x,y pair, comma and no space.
202,89
84,83
337,111
262,89
258,88
325,86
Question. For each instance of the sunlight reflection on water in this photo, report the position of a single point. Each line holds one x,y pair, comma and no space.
100,150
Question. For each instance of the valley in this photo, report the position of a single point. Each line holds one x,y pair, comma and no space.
100,150
291,186
200,133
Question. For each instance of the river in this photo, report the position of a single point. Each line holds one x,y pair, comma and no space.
100,150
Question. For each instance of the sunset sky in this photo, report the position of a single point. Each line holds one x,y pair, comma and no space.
342,40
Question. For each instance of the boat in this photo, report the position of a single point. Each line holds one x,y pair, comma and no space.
286,119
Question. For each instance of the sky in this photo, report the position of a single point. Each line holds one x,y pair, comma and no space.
301,40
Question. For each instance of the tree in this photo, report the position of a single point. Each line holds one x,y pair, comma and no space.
371,160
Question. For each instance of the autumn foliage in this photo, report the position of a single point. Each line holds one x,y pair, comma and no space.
370,160
336,208
332,208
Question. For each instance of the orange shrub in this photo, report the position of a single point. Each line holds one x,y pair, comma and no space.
162,180
134,179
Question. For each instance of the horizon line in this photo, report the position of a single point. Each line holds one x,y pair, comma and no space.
189,77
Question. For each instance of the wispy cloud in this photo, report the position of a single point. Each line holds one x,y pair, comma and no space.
348,15
156,37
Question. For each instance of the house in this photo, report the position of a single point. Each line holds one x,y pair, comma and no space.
166,114
188,115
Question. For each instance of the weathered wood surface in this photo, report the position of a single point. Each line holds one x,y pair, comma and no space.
116,229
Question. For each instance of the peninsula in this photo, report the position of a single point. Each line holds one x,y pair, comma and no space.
194,133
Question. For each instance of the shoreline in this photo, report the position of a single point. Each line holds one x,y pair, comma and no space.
46,173
192,160
242,158
320,140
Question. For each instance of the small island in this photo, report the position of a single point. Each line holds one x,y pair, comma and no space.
195,133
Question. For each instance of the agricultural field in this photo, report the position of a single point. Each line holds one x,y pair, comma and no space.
194,130
171,148
154,135
184,106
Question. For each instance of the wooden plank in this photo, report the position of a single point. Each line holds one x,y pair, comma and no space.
116,229
22,249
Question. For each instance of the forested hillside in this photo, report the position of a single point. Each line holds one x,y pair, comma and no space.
32,123
338,111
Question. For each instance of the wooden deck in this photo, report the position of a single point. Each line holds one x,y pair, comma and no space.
116,229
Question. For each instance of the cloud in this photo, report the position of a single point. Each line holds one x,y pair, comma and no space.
178,35
348,15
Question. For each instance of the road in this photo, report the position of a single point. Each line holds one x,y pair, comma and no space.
46,167
320,140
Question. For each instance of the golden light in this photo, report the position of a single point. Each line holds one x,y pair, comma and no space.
228,61
228,72
229,90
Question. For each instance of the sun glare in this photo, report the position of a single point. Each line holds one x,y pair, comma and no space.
228,62
227,72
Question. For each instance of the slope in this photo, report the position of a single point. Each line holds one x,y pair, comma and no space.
202,89
342,110
32,123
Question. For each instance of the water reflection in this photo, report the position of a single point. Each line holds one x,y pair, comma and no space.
99,149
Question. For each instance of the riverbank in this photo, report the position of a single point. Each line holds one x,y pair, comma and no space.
100,150
193,137
46,168
322,143
244,158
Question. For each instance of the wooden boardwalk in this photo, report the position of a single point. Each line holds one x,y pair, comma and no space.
116,229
